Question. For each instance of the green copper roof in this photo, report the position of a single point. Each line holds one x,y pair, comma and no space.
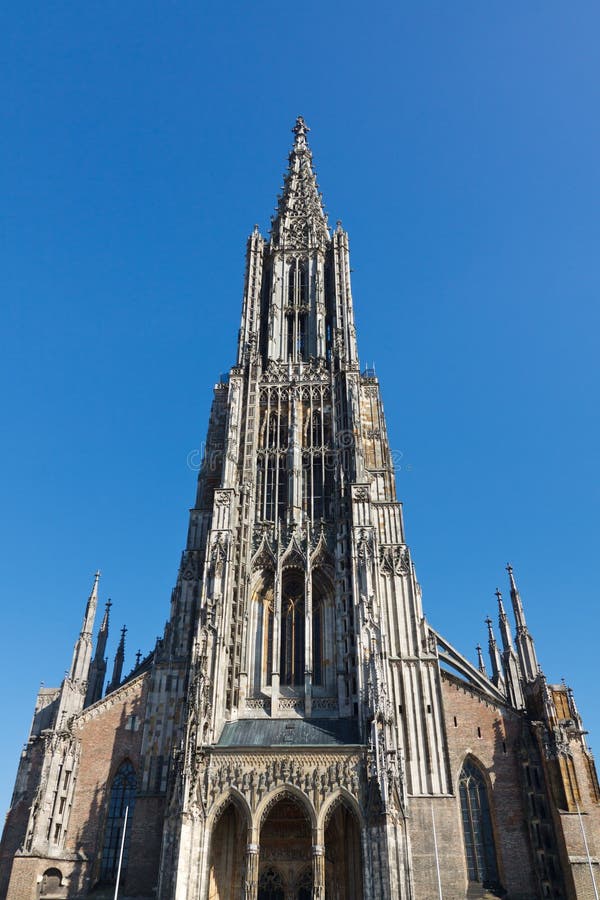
294,732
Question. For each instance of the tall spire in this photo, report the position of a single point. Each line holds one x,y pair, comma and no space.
82,651
300,222
98,666
505,633
117,672
525,644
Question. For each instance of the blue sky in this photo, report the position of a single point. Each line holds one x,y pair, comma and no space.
459,145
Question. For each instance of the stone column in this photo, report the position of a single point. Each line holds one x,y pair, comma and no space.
251,877
318,871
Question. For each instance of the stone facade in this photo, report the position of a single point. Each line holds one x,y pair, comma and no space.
300,730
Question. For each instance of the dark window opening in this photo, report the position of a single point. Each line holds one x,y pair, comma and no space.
477,827
122,799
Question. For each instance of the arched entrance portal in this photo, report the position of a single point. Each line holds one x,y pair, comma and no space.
227,855
343,856
285,871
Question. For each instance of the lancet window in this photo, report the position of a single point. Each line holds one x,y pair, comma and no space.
122,800
297,313
272,474
317,462
477,826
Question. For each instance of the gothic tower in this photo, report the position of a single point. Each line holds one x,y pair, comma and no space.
311,631
300,730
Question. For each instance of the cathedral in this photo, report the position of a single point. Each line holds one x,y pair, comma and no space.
301,731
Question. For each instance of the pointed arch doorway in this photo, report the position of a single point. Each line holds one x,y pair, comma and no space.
285,868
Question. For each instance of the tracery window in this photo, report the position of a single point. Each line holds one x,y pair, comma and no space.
292,631
296,319
477,826
270,885
122,797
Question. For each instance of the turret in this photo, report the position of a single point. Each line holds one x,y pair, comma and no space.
510,662
525,645
98,666
117,672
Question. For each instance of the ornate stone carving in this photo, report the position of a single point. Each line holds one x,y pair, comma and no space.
394,559
316,775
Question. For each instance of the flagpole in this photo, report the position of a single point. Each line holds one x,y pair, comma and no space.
121,851
587,850
437,856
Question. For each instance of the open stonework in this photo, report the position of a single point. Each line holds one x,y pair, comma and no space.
301,731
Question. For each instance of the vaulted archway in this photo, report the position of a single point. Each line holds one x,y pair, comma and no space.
227,854
343,854
285,863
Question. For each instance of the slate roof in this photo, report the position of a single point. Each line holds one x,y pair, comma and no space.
289,732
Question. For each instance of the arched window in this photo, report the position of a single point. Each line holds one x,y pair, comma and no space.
292,631
122,798
477,826
51,882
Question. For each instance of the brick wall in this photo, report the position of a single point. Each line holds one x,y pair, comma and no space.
490,735
109,732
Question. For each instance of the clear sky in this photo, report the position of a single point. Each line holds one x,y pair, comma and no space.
459,144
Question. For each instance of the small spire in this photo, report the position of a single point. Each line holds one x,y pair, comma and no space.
138,657
525,644
90,610
118,664
497,677
505,634
480,662
516,599
97,672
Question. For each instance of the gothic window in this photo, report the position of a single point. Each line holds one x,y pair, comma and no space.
292,632
282,488
296,319
122,798
304,886
270,488
302,326
317,642
317,429
273,430
270,885
290,335
477,826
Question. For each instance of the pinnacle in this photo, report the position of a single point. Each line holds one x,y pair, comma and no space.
300,222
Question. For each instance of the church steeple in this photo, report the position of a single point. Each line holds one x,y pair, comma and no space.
297,307
525,644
